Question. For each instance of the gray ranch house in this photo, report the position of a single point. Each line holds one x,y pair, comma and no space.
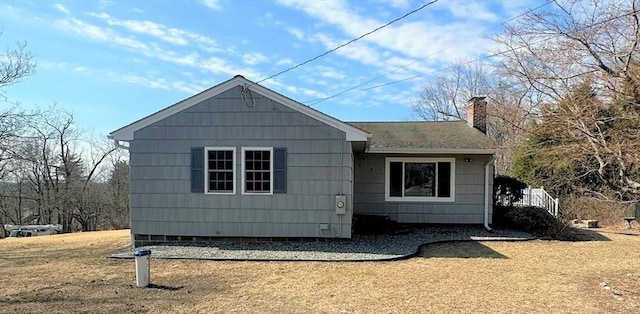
240,160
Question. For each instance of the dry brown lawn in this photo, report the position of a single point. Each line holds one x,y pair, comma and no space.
70,273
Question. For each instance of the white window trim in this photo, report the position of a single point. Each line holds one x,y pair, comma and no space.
206,170
243,186
388,198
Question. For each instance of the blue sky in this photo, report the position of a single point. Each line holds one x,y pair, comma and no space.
113,62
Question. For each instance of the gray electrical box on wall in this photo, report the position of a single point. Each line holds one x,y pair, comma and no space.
341,204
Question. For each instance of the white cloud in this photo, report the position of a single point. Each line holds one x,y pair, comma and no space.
212,4
139,80
253,58
285,61
359,51
104,3
313,93
330,72
470,10
101,34
421,38
277,85
106,35
296,32
61,8
402,4
187,87
219,65
54,65
191,59
156,83
403,97
385,51
514,8
171,35
401,68
336,13
147,81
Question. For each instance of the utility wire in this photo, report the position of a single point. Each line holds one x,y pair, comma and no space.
351,91
319,100
348,43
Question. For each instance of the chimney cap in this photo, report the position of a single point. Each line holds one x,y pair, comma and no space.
477,98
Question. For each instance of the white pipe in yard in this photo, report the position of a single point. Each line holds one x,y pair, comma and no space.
487,193
143,274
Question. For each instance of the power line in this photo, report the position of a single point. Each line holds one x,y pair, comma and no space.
348,43
351,91
319,100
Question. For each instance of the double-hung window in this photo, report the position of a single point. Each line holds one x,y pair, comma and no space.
419,179
257,170
264,170
220,170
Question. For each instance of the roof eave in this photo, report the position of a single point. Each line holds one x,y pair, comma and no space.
408,150
121,136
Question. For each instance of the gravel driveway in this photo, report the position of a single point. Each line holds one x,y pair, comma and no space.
359,248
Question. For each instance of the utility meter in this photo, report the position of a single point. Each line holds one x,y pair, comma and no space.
341,204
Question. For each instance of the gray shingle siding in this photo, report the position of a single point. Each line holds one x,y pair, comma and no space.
468,208
319,166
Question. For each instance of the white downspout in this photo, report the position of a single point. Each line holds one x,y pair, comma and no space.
487,193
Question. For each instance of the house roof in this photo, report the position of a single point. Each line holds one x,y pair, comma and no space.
125,133
382,137
426,137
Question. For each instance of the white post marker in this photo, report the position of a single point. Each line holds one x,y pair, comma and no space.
142,267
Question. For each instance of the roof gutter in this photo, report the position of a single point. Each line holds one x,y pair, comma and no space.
460,151
487,193
119,144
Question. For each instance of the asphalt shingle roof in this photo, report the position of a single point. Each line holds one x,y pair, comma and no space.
425,135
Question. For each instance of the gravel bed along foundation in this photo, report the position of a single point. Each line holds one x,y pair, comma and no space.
358,248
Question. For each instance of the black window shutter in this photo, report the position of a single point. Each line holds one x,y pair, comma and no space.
197,170
280,170
444,178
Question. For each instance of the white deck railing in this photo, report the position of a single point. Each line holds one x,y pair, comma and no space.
536,197
540,198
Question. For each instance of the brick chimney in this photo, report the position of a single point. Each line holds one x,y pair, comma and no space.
477,113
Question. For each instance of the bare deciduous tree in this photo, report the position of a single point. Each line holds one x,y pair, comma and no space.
49,171
556,50
16,64
508,103
446,98
578,44
64,175
118,187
